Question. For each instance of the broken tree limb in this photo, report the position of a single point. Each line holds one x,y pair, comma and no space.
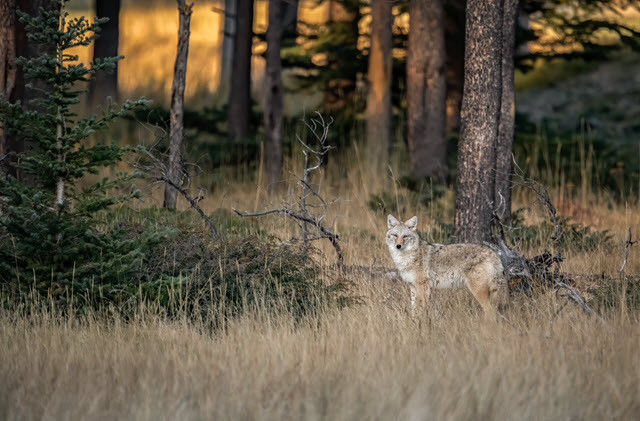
627,245
324,232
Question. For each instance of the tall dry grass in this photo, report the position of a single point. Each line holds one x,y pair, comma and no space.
369,361
372,361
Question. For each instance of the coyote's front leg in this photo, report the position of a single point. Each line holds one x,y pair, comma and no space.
420,294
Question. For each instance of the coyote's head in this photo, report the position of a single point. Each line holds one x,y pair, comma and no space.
402,237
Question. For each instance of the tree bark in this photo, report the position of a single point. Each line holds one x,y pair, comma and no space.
176,131
454,41
379,94
506,127
8,65
106,45
426,90
273,96
479,121
239,106
14,146
228,43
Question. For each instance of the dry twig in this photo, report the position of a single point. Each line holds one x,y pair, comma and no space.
157,169
309,210
627,245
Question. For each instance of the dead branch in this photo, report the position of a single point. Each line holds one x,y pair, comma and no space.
627,245
324,232
574,296
157,170
537,268
309,209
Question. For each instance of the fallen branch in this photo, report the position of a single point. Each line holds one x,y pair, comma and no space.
627,245
537,268
575,297
324,232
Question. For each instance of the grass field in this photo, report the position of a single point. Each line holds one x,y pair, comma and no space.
368,361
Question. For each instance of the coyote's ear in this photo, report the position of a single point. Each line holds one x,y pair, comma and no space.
391,221
412,223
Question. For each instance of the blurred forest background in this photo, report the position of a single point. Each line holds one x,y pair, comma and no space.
193,207
575,77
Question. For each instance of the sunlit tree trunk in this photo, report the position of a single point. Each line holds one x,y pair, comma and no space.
239,108
479,121
379,95
273,96
426,90
106,45
506,128
176,130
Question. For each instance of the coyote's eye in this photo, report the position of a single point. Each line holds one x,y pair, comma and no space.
404,237
393,235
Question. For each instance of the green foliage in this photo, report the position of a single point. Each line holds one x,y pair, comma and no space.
415,192
51,232
575,237
585,24
236,274
609,294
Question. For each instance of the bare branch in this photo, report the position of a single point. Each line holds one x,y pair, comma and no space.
627,245
302,210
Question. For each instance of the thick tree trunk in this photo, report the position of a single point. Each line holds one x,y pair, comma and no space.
8,65
454,41
379,95
228,42
239,110
479,121
106,45
426,90
273,96
506,128
14,146
176,131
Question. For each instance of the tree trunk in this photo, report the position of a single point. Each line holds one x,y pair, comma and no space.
506,128
273,96
479,121
379,94
454,41
239,111
13,146
426,90
8,65
176,131
289,18
343,22
228,42
106,45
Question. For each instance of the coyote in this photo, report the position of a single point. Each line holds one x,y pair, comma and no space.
425,266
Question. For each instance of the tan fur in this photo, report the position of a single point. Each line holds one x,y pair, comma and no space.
427,266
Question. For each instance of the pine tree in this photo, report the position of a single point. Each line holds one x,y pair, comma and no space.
51,233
